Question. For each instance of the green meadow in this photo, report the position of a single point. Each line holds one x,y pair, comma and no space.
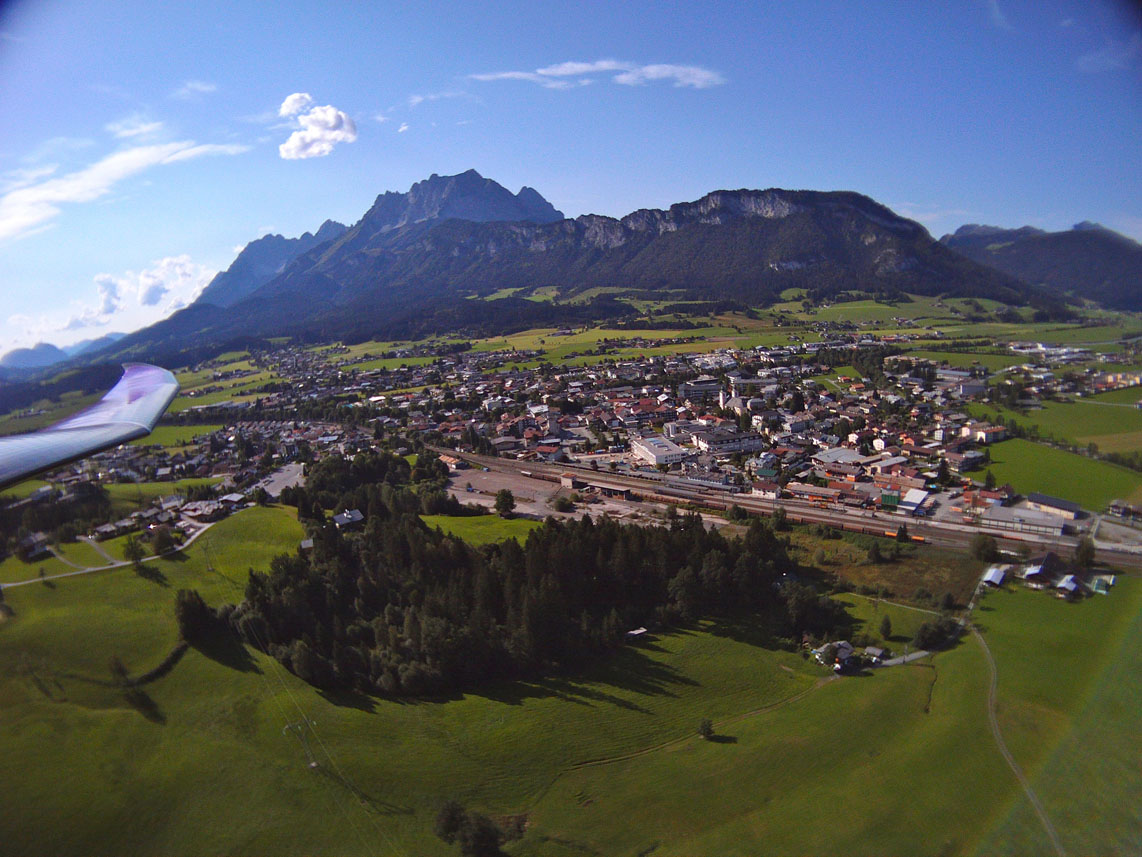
605,762
482,529
1113,426
1089,482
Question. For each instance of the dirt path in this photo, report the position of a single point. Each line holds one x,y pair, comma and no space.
992,696
114,563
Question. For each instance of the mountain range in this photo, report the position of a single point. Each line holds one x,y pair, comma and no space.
414,262
428,260
1087,262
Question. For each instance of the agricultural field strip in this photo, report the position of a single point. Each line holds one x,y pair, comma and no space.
992,704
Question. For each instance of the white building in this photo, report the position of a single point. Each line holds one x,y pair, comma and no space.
657,450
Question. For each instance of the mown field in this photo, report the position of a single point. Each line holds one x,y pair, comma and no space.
1070,694
607,762
1089,482
1113,426
482,529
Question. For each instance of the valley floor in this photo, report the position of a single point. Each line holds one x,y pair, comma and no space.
898,762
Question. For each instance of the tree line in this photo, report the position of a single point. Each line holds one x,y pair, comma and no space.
399,609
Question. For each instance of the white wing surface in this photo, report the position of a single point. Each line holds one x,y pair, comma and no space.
129,410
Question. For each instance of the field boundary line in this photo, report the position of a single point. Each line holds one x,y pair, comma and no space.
993,693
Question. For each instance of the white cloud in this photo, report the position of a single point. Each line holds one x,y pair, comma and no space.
133,299
998,19
25,176
1114,56
319,128
32,205
403,127
194,88
295,103
414,100
134,126
625,73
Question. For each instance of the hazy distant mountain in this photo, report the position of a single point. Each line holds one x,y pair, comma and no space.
38,356
88,346
262,260
1088,261
407,267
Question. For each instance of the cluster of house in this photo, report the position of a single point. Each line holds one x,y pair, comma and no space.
1051,573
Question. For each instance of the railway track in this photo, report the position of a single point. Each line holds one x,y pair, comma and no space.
852,520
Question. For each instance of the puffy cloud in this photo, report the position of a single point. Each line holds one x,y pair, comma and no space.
30,206
132,299
319,128
625,73
295,103
194,88
134,126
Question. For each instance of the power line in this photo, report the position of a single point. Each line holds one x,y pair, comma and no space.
298,727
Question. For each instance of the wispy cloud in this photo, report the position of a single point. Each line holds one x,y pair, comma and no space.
403,127
624,73
1115,55
995,14
414,100
33,205
133,126
193,89
319,129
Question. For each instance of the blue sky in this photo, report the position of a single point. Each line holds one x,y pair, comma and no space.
143,143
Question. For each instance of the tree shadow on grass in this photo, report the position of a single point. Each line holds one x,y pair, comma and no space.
629,669
151,572
225,648
143,703
349,699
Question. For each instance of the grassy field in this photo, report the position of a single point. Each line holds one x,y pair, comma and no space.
1070,693
175,436
1111,425
24,489
919,567
482,529
607,762
1035,467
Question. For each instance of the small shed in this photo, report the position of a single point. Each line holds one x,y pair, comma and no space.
995,575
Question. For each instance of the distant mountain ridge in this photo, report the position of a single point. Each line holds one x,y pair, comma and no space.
262,260
405,268
39,355
1088,261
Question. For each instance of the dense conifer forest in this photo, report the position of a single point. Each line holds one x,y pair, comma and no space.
398,609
